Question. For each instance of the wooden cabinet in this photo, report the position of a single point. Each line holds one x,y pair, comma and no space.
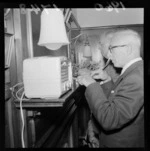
56,123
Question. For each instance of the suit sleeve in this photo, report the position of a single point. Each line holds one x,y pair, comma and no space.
120,107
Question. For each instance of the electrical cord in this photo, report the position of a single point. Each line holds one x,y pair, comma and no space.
22,119
77,36
17,92
16,96
13,88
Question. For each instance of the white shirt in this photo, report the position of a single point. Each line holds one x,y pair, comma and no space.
129,64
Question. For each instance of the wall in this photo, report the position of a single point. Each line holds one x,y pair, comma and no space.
104,17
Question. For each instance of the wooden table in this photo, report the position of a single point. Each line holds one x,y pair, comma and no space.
49,102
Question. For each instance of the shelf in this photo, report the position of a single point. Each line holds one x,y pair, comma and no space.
31,103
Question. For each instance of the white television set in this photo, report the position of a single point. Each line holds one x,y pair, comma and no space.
46,76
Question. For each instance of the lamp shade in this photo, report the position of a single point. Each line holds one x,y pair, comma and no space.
87,51
53,32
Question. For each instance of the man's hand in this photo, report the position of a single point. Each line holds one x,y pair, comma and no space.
84,71
100,74
85,80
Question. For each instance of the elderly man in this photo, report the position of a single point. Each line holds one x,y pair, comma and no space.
104,48
119,107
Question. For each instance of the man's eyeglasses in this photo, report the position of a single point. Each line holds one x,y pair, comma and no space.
112,47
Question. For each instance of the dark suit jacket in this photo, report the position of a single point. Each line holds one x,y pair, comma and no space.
119,108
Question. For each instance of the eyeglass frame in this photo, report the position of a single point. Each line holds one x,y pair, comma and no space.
112,47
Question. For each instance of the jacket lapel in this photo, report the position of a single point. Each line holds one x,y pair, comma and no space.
127,71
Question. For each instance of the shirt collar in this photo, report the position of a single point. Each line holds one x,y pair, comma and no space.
129,64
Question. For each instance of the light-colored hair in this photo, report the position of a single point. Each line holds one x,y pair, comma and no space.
132,36
105,39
